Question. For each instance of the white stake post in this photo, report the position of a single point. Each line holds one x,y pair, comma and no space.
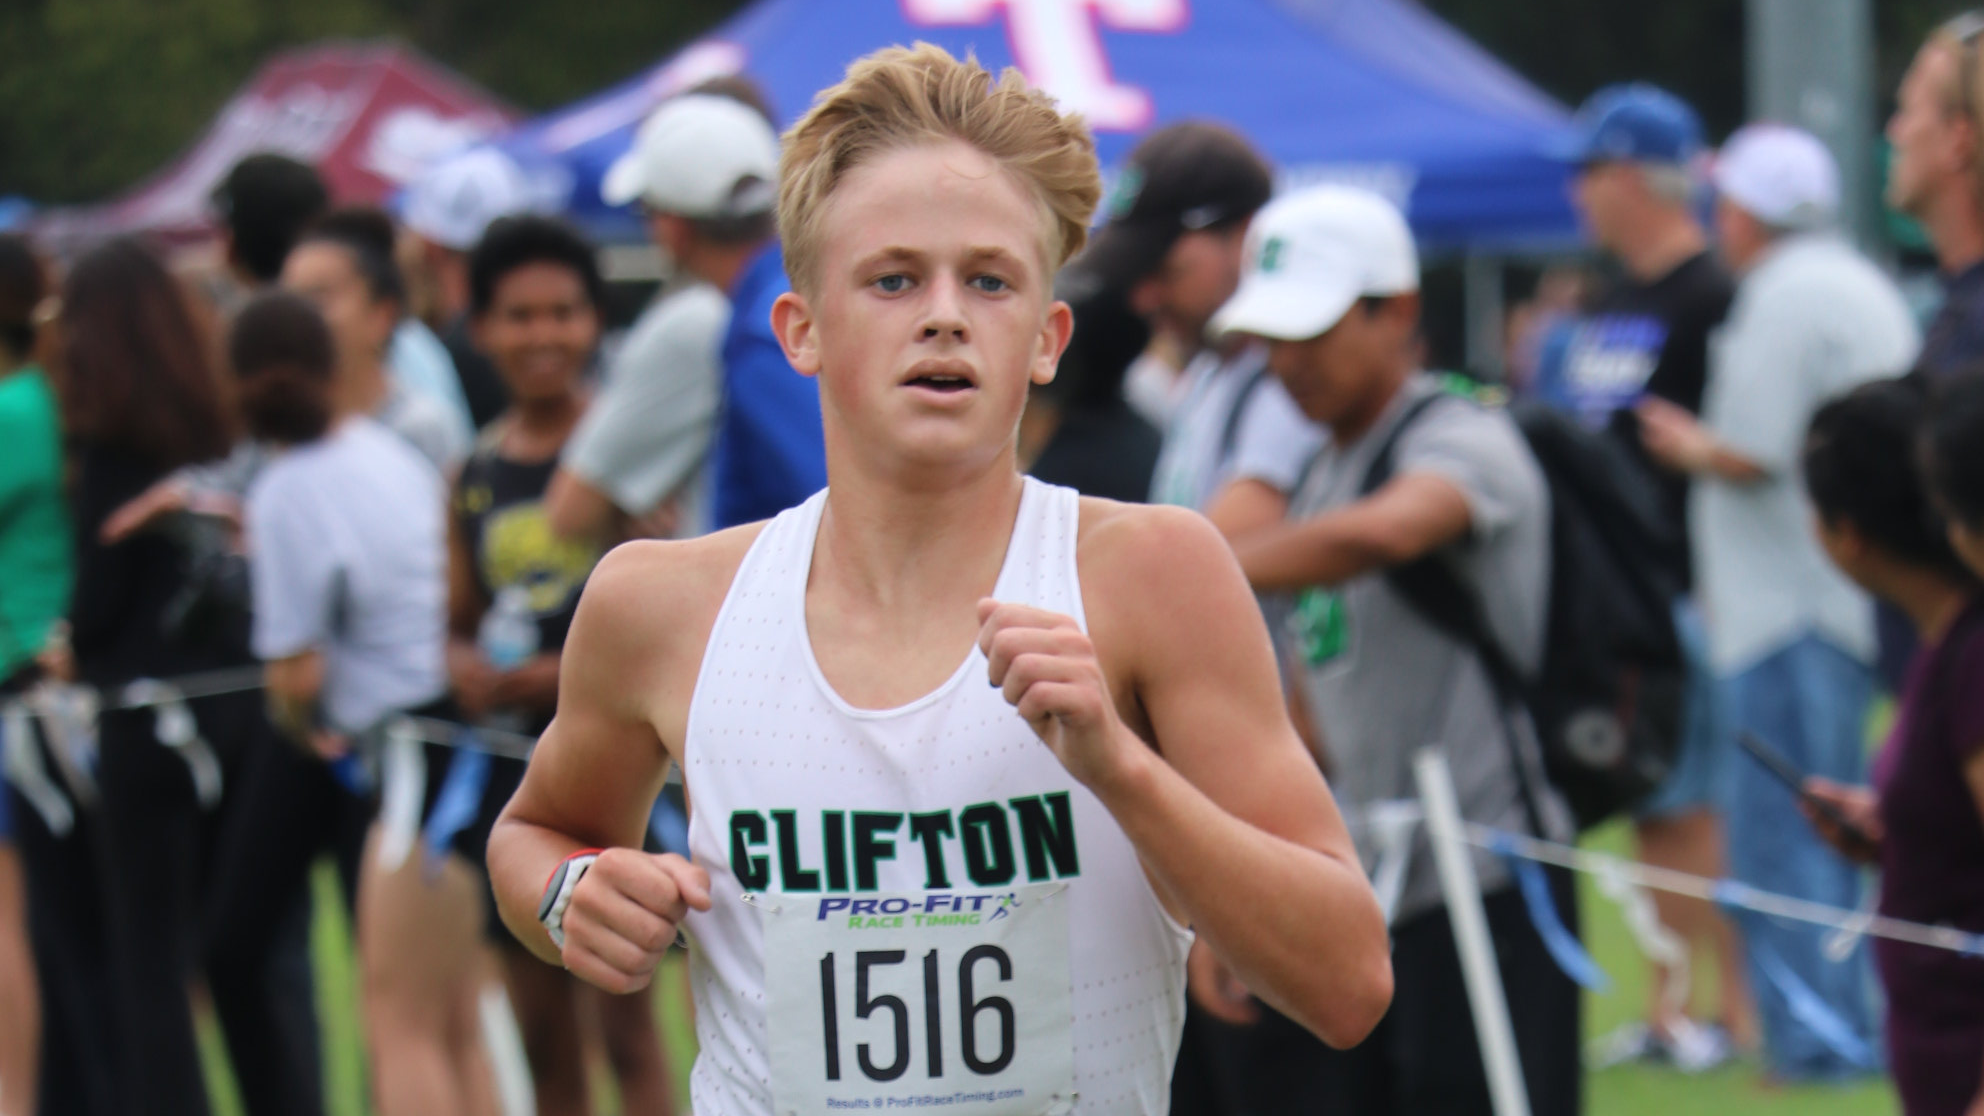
1470,921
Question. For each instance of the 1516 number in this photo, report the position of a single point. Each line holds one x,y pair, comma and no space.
970,1010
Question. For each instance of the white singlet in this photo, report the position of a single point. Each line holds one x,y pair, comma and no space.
917,908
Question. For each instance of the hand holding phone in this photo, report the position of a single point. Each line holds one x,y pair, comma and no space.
1843,815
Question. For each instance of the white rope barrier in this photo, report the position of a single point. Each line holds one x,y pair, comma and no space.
67,713
1390,827
1728,893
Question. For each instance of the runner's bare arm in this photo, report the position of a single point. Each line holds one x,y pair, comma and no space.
1412,515
1224,805
596,772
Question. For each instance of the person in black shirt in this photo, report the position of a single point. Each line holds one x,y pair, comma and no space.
1098,444
140,397
1648,338
534,294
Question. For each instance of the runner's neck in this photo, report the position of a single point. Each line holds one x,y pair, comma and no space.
886,547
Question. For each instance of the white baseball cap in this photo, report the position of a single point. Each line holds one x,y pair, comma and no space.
1310,255
699,155
1780,175
454,201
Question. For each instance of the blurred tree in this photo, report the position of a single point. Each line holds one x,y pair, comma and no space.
1693,48
100,93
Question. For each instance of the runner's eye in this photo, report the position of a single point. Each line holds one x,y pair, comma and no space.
892,284
990,284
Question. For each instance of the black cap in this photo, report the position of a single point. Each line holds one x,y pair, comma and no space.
1187,176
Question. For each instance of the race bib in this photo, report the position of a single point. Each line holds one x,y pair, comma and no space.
955,1000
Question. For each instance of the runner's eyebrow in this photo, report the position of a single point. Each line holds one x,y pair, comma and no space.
901,254
894,254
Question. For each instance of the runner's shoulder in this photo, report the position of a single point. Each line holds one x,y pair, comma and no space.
1135,552
653,590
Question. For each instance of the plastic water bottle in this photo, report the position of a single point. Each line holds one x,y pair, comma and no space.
508,635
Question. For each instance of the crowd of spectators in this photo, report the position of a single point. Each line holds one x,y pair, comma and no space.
379,461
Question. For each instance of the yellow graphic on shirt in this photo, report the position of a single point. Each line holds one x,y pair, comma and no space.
519,548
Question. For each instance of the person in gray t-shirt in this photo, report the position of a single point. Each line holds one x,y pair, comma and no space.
643,445
1331,282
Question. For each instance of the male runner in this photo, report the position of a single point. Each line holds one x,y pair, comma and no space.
908,888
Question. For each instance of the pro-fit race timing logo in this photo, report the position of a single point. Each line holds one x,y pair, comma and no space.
935,909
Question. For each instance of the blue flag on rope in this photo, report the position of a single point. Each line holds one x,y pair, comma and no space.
460,799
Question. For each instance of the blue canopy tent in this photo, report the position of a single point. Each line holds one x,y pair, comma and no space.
1375,91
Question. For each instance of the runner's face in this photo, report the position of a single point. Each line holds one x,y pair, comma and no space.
539,330
933,308
324,274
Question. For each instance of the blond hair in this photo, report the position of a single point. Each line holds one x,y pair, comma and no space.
904,97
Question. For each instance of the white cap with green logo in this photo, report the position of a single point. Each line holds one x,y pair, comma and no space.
1311,255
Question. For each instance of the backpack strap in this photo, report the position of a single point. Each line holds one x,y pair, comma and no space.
1429,582
1229,435
1430,585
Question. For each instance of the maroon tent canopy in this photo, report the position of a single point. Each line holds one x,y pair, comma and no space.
368,115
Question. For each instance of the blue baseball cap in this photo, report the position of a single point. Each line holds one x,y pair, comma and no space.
1636,123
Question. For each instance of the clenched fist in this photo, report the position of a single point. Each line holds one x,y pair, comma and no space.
1046,667
624,913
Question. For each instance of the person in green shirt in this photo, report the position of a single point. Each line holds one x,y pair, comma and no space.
34,594
34,528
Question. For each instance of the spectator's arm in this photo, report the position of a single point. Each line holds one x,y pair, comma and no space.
577,511
1412,515
1681,442
469,674
1247,505
292,686
295,577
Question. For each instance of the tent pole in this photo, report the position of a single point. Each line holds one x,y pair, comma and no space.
1479,970
1481,299
1811,63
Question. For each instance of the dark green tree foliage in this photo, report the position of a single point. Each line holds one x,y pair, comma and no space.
100,93
1691,47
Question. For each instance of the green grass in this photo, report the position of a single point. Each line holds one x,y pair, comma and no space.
1651,1091
1625,1091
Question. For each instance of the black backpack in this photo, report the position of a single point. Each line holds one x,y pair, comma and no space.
1607,703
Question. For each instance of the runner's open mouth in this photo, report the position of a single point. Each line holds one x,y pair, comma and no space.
941,382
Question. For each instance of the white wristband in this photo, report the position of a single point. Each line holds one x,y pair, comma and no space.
558,894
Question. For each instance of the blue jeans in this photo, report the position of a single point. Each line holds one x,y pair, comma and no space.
1809,700
1700,777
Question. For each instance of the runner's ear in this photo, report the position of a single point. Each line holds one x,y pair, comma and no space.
792,321
1055,333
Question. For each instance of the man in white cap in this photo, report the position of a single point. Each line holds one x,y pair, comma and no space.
701,378
446,209
1332,284
1791,639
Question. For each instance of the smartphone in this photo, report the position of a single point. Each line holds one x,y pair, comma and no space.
1788,773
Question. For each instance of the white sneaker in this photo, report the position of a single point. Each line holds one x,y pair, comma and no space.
1698,1047
1627,1044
